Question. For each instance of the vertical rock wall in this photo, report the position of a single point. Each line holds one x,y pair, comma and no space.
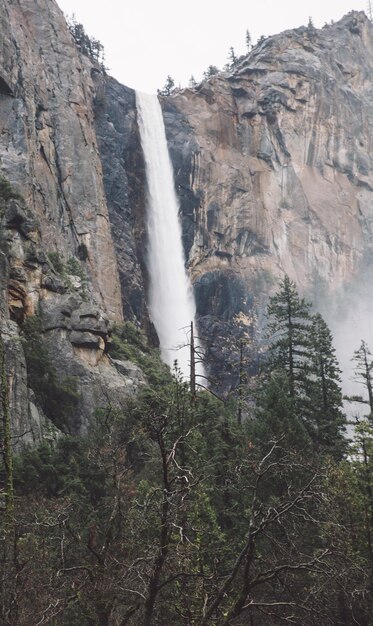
274,165
57,257
48,147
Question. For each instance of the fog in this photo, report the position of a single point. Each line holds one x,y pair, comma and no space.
348,313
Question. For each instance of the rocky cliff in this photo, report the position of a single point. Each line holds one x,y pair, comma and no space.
273,166
58,261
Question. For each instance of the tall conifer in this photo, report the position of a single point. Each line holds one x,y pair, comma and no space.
289,326
301,346
323,412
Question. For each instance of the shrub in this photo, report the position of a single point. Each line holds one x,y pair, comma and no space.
130,343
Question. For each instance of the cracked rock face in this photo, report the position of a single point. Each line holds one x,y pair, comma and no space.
274,167
48,146
56,213
75,332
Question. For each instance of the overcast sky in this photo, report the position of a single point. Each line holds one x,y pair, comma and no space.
145,40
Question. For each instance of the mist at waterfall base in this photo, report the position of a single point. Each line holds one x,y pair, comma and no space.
170,299
349,314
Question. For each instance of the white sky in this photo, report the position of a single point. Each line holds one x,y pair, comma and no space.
145,40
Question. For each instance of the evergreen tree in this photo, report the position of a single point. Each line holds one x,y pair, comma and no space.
362,466
248,41
192,82
168,88
275,413
364,375
289,326
302,347
323,413
89,46
212,70
232,56
173,513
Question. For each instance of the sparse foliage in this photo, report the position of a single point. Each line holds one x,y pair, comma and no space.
248,41
212,70
232,58
192,82
89,46
363,360
169,87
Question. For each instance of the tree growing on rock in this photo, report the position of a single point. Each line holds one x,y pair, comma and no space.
192,82
89,46
168,88
212,70
232,57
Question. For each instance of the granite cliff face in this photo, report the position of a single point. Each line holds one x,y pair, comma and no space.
274,166
56,252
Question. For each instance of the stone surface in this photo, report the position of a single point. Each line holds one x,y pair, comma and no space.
48,146
57,258
29,425
125,186
274,166
131,371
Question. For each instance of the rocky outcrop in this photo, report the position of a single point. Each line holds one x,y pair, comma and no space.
273,163
57,257
75,331
48,147
273,169
125,188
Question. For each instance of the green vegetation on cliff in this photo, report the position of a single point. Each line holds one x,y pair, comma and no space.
57,397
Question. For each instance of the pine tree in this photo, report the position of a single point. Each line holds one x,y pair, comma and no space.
168,88
212,70
232,56
302,347
289,326
323,412
89,46
248,41
192,82
364,375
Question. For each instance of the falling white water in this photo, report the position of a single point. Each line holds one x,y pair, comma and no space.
171,299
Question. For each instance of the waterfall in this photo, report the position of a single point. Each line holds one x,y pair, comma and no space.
171,300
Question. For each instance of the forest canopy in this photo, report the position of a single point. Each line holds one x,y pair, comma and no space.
174,511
